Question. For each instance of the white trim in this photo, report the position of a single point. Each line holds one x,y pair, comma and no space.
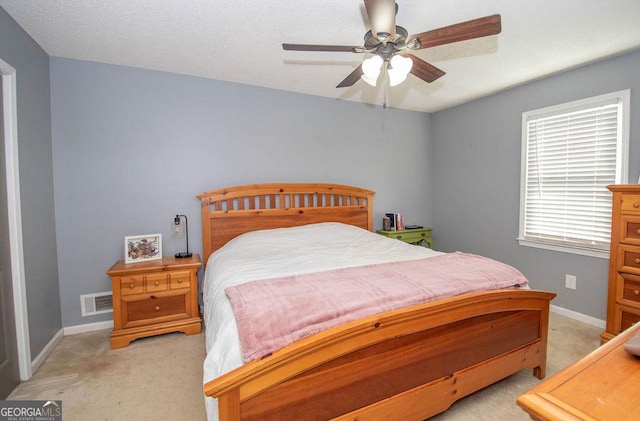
46,351
604,254
578,316
89,327
623,97
10,108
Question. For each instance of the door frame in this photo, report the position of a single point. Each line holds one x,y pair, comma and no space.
10,111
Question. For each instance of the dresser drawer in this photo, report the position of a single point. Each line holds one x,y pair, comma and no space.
631,289
156,307
630,204
629,259
130,285
630,230
628,319
180,279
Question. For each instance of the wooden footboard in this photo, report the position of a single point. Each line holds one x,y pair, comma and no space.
405,364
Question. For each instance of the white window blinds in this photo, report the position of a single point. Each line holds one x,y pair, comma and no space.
571,153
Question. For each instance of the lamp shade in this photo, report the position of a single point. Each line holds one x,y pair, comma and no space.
371,69
399,68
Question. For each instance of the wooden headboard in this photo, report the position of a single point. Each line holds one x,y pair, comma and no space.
229,212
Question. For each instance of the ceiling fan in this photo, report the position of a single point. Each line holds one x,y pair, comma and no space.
390,45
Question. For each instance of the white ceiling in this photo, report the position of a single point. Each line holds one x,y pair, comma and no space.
241,41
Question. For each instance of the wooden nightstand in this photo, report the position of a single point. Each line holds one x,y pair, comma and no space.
413,236
155,297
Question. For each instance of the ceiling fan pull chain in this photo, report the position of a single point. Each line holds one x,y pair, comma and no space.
386,82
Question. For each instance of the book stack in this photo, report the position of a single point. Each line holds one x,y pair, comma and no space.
396,221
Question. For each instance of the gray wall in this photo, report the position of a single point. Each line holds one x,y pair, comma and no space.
133,147
36,180
476,165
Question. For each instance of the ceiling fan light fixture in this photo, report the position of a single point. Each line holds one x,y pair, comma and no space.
371,69
399,68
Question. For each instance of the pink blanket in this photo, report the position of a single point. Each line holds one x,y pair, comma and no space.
273,313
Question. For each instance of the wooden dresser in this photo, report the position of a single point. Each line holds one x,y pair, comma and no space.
155,297
623,302
604,385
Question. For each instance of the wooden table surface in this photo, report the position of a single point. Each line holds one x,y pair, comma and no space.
604,385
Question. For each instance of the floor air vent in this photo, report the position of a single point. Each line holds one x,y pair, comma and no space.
99,303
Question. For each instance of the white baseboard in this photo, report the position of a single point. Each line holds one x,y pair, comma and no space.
89,327
42,356
578,316
65,331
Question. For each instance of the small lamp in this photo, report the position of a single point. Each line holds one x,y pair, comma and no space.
177,233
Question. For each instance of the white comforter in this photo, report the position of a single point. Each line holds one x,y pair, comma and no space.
277,253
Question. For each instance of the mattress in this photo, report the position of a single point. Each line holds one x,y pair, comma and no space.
275,253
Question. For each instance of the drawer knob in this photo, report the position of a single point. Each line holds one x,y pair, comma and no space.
636,292
636,205
423,234
157,308
156,283
636,260
132,285
398,237
179,280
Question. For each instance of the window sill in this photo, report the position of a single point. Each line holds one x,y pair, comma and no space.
601,254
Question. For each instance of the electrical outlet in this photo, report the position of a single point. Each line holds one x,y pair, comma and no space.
570,282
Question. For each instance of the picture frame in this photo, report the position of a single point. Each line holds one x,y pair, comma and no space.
142,248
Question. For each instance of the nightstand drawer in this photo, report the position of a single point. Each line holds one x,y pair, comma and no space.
130,285
180,279
156,307
412,236
156,282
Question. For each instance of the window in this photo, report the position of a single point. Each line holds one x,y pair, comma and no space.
570,153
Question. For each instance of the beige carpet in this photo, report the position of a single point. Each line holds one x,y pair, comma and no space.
156,378
160,378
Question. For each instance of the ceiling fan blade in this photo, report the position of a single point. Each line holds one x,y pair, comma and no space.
477,28
313,47
424,70
382,17
352,78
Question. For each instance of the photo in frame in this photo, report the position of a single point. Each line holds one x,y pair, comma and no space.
142,248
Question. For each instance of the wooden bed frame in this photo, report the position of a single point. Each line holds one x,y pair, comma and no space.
405,364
